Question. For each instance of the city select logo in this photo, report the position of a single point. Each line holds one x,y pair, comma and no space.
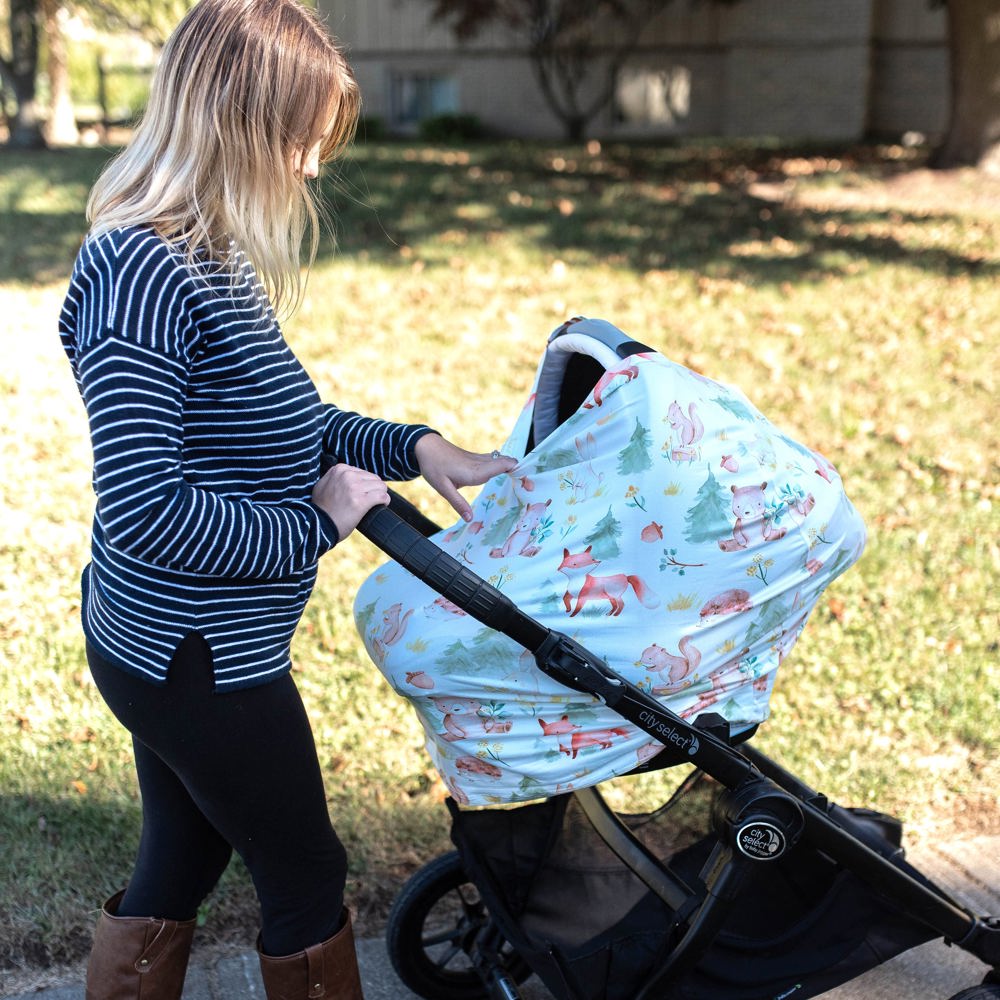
667,734
760,841
788,993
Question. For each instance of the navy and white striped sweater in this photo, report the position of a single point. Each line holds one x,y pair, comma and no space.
207,437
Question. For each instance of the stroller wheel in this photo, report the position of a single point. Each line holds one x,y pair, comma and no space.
431,931
989,990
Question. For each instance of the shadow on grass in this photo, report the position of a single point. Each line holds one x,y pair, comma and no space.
646,207
692,207
61,858
43,197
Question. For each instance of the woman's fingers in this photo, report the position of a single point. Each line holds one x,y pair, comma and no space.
346,494
447,468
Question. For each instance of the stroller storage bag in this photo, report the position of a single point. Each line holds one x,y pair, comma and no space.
591,929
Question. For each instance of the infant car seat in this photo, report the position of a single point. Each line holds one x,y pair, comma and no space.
655,516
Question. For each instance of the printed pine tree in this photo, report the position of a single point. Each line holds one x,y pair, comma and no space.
604,537
736,407
530,788
553,604
770,622
557,458
635,456
805,451
363,617
708,520
500,529
490,653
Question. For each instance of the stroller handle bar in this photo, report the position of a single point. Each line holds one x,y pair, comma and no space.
392,530
398,538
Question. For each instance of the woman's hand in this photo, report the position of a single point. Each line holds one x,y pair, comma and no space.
347,494
447,467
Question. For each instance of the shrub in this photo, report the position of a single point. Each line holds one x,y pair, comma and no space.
451,128
371,128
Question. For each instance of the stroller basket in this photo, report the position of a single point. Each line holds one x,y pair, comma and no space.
592,929
745,885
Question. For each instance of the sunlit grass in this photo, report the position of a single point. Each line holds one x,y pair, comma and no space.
853,310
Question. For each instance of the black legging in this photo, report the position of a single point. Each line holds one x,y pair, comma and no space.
219,772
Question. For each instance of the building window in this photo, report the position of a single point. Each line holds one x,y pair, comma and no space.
416,96
653,96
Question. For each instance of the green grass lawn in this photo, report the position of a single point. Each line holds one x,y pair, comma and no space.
851,294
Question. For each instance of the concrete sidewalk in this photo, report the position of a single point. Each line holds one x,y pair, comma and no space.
969,870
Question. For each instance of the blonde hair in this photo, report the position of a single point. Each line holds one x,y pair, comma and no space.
243,89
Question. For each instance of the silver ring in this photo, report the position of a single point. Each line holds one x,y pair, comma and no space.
494,454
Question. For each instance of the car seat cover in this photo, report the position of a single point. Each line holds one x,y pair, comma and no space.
667,525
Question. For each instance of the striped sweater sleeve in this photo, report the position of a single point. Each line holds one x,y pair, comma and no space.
132,362
378,446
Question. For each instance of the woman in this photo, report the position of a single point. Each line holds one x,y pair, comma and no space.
212,512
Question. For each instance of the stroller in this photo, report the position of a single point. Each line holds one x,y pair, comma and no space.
746,884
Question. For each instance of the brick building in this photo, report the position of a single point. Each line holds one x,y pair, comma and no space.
825,69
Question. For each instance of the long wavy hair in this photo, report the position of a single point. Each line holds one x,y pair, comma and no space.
243,89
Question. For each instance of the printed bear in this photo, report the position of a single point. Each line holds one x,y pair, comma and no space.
464,718
750,509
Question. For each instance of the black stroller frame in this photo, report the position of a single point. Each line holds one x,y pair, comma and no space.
762,813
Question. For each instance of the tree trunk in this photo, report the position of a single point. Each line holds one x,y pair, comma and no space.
62,118
576,128
25,130
973,137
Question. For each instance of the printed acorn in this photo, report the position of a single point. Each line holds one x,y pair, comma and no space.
653,532
419,679
730,464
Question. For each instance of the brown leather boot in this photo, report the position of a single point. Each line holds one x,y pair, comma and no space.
327,971
137,958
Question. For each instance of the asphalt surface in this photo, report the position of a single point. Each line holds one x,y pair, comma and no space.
968,869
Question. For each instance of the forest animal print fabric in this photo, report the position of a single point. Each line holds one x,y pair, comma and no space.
668,526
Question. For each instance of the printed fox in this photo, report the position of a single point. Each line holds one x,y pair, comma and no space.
630,372
593,588
595,738
558,728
